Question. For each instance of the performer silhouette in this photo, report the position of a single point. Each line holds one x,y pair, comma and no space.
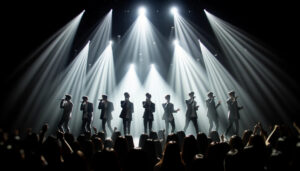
106,109
168,114
233,112
191,113
148,114
212,113
67,106
126,113
87,114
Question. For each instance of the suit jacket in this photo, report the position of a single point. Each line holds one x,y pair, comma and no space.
106,111
87,110
127,110
212,109
191,109
67,108
168,111
233,109
149,109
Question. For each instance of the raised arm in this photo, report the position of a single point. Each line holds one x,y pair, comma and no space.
61,104
100,106
219,103
81,106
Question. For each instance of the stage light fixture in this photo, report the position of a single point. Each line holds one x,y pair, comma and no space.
174,11
175,42
142,11
131,66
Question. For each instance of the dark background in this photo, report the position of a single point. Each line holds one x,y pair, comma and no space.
25,25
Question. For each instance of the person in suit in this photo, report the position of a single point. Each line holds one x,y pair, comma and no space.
106,108
67,106
148,113
87,114
212,113
233,112
191,113
168,114
126,113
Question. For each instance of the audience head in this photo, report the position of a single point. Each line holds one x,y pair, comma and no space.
214,135
202,143
235,142
189,149
143,138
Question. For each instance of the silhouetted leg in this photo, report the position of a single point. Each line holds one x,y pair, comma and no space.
194,120
210,125
217,124
237,126
187,121
173,125
229,127
103,125
150,125
124,126
145,126
89,121
83,125
66,125
109,126
167,127
129,124
60,124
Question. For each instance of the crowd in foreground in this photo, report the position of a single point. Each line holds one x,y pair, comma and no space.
254,150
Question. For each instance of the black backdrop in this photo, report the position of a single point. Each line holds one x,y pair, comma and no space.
26,24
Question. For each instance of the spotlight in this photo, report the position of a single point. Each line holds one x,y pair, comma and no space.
174,10
152,66
131,66
175,42
110,42
142,11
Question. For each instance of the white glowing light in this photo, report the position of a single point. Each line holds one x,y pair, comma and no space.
110,42
174,11
142,11
152,66
175,42
131,66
